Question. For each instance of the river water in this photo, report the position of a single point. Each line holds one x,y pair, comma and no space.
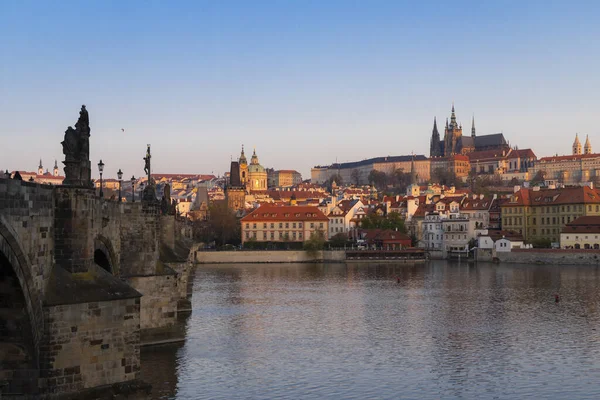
367,331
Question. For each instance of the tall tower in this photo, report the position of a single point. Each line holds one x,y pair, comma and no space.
576,145
435,149
452,136
243,168
473,128
587,147
40,168
55,171
235,193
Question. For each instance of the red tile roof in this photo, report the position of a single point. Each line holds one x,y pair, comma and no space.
270,212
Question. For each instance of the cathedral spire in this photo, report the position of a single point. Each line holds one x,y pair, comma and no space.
473,127
453,117
434,145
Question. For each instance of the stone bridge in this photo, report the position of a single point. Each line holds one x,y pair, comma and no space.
84,282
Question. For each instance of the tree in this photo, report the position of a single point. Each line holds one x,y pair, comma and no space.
338,181
315,243
444,176
379,179
355,175
392,221
539,178
338,240
222,226
401,179
514,182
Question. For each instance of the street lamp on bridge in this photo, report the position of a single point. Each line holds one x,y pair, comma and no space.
133,188
101,169
120,177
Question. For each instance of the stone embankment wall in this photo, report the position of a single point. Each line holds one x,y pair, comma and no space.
259,256
550,256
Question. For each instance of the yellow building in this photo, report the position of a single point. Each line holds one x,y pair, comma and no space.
541,214
583,233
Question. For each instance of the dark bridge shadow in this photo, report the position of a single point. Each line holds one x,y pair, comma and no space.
18,372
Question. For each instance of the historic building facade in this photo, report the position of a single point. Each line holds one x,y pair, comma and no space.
579,167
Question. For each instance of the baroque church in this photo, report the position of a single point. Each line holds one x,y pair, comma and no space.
455,143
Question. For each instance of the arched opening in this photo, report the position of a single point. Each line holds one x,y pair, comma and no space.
102,260
577,246
596,246
586,246
17,360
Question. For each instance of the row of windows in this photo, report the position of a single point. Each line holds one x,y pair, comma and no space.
271,235
287,225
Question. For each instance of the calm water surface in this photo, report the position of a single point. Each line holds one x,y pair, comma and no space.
453,331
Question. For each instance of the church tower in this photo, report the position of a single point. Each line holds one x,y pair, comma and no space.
243,168
41,168
452,136
435,146
576,145
473,128
55,171
235,193
587,147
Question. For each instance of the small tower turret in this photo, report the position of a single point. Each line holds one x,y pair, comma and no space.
576,145
40,168
55,171
587,147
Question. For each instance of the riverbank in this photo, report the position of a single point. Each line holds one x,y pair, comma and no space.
302,256
268,256
549,256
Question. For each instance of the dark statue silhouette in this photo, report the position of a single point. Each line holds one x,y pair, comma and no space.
76,148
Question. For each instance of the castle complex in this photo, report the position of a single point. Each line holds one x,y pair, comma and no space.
455,143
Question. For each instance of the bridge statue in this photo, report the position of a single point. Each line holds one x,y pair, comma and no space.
76,148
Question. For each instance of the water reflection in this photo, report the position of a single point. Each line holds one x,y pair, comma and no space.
432,331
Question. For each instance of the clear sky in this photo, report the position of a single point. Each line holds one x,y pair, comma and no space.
305,82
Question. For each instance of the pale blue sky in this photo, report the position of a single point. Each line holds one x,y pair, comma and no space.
305,82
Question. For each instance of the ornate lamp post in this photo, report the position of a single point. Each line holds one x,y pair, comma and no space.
101,169
132,188
120,177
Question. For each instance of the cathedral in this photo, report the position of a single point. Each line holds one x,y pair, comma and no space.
455,143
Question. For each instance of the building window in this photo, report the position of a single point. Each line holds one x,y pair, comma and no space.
265,235
247,235
312,225
287,225
247,225
294,225
265,225
272,225
321,225
272,235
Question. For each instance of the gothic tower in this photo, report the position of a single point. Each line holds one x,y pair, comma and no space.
473,128
41,168
587,147
243,168
576,145
435,146
452,136
235,193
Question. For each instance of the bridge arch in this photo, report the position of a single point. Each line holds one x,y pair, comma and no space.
22,318
105,256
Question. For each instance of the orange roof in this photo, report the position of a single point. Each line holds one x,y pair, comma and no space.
585,224
269,212
573,157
